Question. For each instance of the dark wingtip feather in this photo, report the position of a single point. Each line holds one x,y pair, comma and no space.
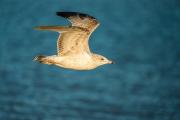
68,14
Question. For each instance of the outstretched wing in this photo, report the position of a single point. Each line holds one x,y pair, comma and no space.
71,42
84,21
80,20
73,39
70,38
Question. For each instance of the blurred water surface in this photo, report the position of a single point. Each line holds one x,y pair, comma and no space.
142,37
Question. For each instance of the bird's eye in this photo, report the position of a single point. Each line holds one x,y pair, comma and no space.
102,58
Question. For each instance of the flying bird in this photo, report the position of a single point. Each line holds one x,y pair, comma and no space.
73,50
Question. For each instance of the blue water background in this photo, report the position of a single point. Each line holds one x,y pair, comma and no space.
141,37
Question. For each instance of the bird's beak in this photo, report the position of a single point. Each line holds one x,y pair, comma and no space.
111,62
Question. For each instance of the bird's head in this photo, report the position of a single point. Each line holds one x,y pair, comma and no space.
101,60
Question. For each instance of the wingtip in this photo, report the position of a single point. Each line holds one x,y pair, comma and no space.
43,28
36,28
64,14
68,14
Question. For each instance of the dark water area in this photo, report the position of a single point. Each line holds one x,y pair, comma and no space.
142,37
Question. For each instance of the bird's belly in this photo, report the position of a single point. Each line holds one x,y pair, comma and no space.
77,63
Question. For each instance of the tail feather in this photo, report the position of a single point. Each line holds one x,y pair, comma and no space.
39,57
43,59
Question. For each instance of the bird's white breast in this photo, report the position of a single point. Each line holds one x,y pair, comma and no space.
79,61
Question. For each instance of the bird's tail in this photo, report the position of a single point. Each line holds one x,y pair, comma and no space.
43,59
39,58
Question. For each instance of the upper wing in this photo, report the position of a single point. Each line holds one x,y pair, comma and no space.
80,20
72,42
73,39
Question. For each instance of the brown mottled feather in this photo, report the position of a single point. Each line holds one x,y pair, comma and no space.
80,20
72,42
73,39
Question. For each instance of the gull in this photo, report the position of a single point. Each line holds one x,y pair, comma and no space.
73,50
